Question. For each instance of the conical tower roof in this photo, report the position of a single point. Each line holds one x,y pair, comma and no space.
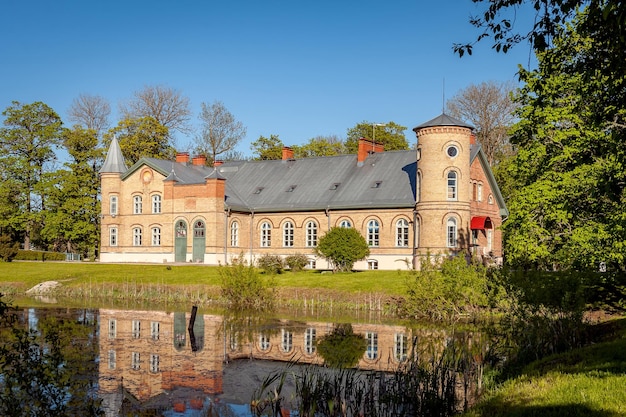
443,120
114,161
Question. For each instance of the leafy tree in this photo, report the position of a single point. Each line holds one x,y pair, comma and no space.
90,112
343,246
220,131
8,248
143,137
342,348
244,288
490,108
27,143
320,146
390,134
267,148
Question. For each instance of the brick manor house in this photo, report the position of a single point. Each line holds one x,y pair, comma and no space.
441,198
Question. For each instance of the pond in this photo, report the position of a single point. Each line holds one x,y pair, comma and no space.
188,363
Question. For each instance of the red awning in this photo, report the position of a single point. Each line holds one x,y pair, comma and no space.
481,223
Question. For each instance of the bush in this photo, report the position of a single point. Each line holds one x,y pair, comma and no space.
244,288
343,247
296,262
8,249
271,264
37,255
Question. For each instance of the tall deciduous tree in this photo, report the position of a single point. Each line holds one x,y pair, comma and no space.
143,137
27,144
490,108
90,112
220,131
320,146
390,134
267,148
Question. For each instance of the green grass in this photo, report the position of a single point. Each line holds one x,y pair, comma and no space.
586,382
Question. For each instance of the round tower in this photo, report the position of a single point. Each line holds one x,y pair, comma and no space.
443,186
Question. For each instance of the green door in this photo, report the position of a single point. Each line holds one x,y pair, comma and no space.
180,243
199,241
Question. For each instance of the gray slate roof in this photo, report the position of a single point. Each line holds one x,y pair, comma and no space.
114,161
443,120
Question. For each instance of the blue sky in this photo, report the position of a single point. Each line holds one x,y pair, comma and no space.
297,69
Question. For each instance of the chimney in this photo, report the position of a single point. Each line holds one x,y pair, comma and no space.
182,157
287,153
199,160
472,138
218,162
367,147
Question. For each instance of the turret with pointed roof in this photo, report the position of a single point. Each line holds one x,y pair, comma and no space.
114,162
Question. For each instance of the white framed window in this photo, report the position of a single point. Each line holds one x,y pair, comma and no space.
113,236
311,234
154,363
136,329
156,236
135,361
490,199
489,240
452,151
452,185
480,192
137,236
312,264
402,233
264,342
137,205
345,224
155,328
451,236
286,341
309,340
373,233
288,234
400,346
112,359
372,345
112,328
266,235
372,264
113,205
156,204
234,234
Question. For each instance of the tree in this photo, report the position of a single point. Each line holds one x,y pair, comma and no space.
267,148
90,112
342,246
27,146
320,146
390,134
490,108
143,137
220,132
342,348
165,105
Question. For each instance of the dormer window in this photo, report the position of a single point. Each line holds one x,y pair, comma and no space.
258,190
335,186
377,184
291,188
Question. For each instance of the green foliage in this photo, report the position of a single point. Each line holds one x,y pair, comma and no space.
142,137
244,288
271,264
38,255
343,247
296,262
342,348
267,148
320,146
8,248
446,289
391,135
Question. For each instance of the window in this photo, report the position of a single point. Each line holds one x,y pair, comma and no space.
291,188
451,236
136,329
490,199
287,341
489,240
402,233
334,185
156,236
181,229
154,363
137,204
198,229
480,192
135,361
311,234
137,236
288,234
309,340
154,330
400,346
475,191
113,205
312,264
113,236
377,184
452,185
266,235
112,359
345,224
156,204
452,151
234,234
372,345
112,328
373,229
264,342
372,264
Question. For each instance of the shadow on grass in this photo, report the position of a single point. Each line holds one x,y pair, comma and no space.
569,410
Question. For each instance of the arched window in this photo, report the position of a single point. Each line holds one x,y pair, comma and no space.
345,224
480,192
156,204
156,236
452,185
309,340
372,345
264,342
402,233
452,232
288,234
137,236
400,347
234,234
137,204
266,235
287,341
113,205
311,234
198,229
373,233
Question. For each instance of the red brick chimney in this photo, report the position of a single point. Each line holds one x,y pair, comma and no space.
287,153
367,147
218,162
199,160
182,157
472,138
